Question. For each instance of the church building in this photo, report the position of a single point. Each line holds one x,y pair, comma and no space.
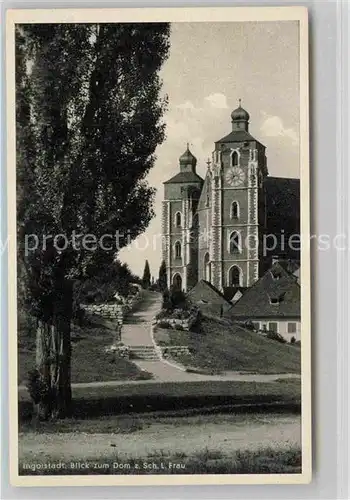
227,227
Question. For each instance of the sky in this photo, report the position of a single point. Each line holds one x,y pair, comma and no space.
210,66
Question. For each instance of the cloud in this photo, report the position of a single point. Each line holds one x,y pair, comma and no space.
273,126
186,105
217,101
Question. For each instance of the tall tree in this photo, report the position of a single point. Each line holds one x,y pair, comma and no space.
146,277
162,276
89,118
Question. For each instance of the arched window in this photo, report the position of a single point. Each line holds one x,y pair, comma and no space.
178,218
235,210
177,281
177,248
235,243
235,276
234,159
207,267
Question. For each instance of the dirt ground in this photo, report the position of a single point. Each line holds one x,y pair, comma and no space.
276,431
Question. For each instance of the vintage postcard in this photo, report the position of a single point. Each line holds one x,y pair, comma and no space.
159,287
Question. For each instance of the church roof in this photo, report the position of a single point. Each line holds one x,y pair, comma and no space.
237,136
183,177
276,283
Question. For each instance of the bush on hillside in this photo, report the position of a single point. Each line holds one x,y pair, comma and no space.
166,305
178,299
275,336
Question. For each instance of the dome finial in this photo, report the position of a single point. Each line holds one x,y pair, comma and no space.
187,146
239,102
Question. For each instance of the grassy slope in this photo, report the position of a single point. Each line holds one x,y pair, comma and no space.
220,345
182,398
89,361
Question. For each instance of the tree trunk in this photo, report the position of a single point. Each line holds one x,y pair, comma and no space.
43,407
53,356
61,351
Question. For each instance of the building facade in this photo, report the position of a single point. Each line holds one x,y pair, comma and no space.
214,228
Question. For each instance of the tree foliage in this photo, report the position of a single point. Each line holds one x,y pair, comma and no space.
146,277
89,118
162,276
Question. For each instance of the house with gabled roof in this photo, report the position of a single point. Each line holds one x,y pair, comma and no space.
272,303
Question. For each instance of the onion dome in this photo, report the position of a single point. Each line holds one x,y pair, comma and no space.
187,158
240,114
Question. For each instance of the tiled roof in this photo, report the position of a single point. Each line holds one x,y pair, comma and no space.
237,136
183,177
256,301
209,298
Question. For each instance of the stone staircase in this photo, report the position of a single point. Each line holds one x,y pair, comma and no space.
145,352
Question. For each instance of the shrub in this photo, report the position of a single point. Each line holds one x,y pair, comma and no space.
167,305
275,336
180,328
292,340
162,314
164,324
120,350
178,314
178,298
249,325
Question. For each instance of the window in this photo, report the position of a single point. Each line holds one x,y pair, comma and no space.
234,159
177,282
235,243
178,218
292,328
276,274
235,276
277,299
273,326
177,250
234,210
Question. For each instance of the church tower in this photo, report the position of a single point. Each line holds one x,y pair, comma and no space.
180,224
233,208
